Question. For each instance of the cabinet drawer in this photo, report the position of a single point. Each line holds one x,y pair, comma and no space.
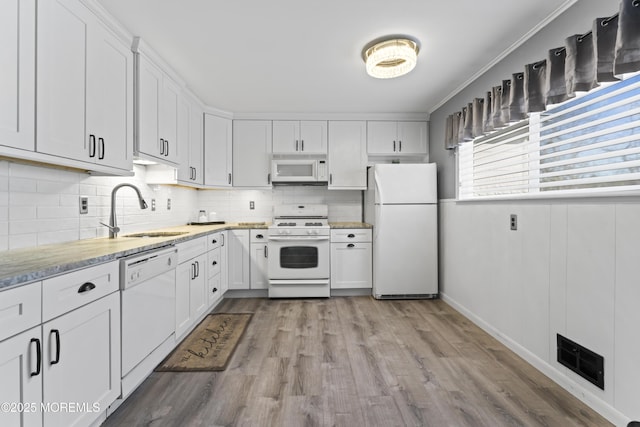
346,235
20,309
214,289
214,240
192,249
259,236
213,260
67,292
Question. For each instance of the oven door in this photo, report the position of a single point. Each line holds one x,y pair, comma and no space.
298,257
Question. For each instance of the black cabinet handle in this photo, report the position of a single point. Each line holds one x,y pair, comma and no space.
266,251
195,174
214,263
38,357
268,178
302,145
296,145
351,245
57,334
399,146
394,146
193,271
222,244
197,269
86,287
229,178
214,290
259,236
161,146
166,152
101,148
351,235
92,145
330,178
214,241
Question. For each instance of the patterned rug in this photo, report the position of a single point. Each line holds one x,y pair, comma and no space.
210,345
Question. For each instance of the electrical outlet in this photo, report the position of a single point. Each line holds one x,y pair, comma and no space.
84,205
168,204
252,204
153,205
513,221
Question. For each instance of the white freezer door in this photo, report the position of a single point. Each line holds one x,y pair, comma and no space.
405,250
405,183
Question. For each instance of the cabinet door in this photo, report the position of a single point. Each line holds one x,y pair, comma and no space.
185,169
313,137
17,81
198,295
110,100
214,290
81,361
239,260
169,111
64,27
184,273
218,144
224,263
382,137
412,137
251,153
286,136
196,141
351,265
22,378
148,108
259,277
348,155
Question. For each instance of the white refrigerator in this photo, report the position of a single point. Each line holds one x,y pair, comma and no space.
402,205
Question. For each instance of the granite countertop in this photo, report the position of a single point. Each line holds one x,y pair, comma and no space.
22,266
350,225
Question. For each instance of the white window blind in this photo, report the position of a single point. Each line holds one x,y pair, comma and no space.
585,146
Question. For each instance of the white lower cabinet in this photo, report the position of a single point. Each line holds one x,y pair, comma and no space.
81,362
21,373
191,284
239,259
259,278
351,261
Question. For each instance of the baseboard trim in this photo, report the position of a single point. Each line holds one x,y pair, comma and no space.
581,393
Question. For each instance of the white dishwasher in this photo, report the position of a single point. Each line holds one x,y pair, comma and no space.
147,282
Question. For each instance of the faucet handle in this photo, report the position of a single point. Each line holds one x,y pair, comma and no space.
114,230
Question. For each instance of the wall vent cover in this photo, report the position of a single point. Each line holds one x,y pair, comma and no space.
581,360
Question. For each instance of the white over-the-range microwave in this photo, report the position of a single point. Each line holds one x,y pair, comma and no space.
292,170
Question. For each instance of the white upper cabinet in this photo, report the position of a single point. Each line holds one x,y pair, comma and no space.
189,125
348,155
397,138
300,137
251,153
218,143
17,80
85,103
158,99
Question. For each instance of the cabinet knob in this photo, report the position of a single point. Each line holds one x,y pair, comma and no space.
351,235
214,241
351,245
214,290
214,263
259,236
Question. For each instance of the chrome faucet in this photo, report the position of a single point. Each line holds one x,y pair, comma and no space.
113,224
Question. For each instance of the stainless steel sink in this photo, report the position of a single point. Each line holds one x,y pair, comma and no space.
157,234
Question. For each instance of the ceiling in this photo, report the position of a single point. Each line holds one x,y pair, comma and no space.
297,56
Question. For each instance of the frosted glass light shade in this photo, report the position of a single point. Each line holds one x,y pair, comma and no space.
391,58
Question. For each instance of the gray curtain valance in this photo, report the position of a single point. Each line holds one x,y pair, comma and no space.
608,50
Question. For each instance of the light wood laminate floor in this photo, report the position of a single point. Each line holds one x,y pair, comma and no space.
356,361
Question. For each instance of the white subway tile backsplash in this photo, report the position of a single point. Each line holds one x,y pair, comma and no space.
19,241
22,213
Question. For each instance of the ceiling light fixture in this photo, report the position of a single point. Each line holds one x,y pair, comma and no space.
391,56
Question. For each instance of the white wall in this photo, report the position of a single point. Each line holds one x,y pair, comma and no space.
40,205
572,268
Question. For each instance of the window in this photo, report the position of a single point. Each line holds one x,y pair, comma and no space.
587,145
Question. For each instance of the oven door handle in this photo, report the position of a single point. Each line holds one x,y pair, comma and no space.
298,238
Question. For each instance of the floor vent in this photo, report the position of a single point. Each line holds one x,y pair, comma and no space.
581,360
